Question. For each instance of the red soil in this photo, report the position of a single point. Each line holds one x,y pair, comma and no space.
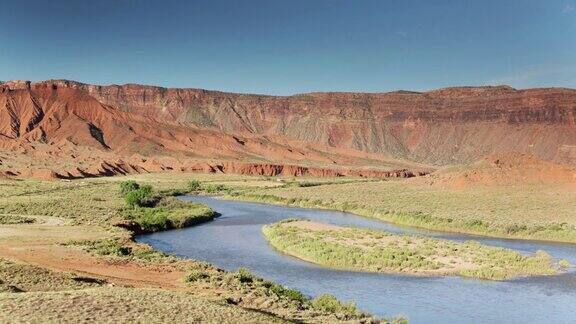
504,169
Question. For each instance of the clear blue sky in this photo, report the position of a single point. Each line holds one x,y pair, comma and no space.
291,46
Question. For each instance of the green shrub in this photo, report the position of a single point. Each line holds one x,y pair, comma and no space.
193,185
196,275
267,284
564,263
214,188
288,293
139,197
108,248
128,186
152,219
331,304
244,275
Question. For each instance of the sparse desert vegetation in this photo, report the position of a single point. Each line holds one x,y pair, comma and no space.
15,219
248,287
68,211
378,251
19,277
116,304
538,211
74,221
534,211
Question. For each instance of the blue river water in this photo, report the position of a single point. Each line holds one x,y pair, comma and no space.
235,240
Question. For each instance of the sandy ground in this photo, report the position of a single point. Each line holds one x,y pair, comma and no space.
41,244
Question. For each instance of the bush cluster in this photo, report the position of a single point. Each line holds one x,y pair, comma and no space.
290,294
127,186
159,211
244,275
141,197
331,304
136,194
193,185
196,275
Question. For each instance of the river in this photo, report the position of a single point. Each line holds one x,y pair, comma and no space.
235,240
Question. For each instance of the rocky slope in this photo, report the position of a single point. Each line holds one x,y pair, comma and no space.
446,126
332,131
58,129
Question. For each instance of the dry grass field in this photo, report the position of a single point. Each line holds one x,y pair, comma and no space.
60,253
58,243
535,211
121,305
378,251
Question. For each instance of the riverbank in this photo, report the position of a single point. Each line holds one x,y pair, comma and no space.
516,212
235,240
67,230
53,218
356,249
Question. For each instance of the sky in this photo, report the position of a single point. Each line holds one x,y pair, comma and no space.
293,46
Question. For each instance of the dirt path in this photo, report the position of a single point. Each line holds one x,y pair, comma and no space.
40,244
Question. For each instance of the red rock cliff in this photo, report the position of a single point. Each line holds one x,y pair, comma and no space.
445,126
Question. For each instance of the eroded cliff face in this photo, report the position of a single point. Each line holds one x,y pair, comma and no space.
61,129
446,126
334,130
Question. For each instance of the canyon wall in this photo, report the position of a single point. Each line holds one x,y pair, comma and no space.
446,126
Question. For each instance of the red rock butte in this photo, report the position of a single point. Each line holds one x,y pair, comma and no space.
68,129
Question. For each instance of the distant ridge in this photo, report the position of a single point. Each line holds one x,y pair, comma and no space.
383,131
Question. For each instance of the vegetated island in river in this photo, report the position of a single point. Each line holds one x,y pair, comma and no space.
368,250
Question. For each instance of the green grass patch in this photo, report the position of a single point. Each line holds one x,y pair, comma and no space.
330,303
214,188
378,251
157,219
160,211
288,293
550,231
